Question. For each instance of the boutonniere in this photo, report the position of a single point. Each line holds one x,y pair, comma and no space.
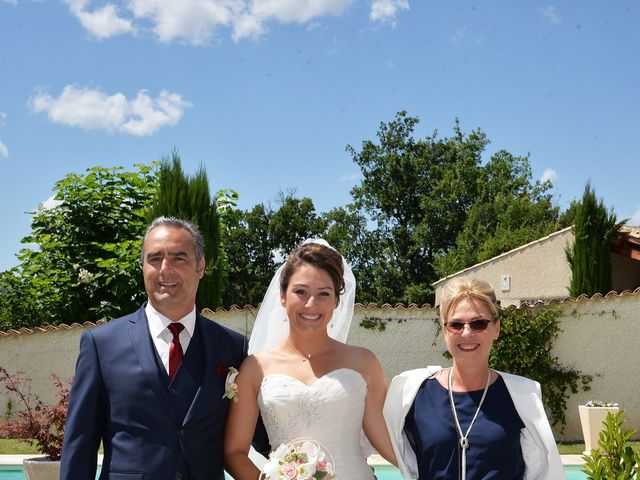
230,385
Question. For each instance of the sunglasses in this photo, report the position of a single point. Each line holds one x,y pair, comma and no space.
479,325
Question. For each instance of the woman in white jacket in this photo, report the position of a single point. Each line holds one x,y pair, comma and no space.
470,422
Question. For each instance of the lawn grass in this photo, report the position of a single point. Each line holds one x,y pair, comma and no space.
578,448
571,448
9,446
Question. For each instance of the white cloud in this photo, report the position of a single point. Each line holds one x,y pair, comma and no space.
197,21
12,2
248,26
549,175
552,14
3,118
95,110
49,203
298,11
635,219
459,34
103,22
251,23
4,151
349,177
386,11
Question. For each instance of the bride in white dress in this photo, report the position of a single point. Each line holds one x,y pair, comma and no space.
302,377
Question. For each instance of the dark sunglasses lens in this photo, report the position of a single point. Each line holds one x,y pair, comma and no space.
475,325
479,325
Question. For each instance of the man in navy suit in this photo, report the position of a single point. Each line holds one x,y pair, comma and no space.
155,424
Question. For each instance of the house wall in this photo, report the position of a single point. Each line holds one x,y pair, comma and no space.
525,266
599,337
625,273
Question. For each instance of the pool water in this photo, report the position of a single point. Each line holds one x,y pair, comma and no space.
15,472
391,473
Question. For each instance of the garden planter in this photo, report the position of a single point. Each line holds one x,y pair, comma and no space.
591,419
41,468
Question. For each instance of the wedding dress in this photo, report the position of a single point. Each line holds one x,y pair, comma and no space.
329,411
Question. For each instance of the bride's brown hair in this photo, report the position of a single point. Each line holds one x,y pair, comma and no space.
318,256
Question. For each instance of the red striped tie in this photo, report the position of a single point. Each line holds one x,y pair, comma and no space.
175,349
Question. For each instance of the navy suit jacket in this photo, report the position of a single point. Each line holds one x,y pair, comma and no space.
120,397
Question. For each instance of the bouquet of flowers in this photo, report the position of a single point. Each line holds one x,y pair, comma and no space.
300,459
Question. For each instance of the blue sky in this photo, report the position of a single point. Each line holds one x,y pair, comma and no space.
268,93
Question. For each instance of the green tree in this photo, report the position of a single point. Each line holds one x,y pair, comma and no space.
590,254
250,255
345,228
257,241
188,197
510,209
294,221
418,193
437,209
84,262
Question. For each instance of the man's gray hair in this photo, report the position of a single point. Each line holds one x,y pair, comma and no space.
173,222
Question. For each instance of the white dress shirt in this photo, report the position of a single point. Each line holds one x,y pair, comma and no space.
161,335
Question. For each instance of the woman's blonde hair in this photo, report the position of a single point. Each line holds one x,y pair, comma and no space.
460,288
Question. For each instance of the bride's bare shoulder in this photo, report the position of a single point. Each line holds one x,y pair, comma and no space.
361,359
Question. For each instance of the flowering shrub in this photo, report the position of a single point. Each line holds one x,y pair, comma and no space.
598,403
300,459
40,423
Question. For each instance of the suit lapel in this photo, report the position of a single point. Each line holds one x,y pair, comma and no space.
145,351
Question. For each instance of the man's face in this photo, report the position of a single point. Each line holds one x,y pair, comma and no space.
171,274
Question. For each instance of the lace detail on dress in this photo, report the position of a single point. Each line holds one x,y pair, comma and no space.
330,411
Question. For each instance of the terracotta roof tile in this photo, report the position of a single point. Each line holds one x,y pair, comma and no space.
397,306
630,231
49,328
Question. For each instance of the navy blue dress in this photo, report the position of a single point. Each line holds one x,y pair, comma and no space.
494,442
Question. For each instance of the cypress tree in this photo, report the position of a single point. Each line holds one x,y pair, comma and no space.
188,197
590,256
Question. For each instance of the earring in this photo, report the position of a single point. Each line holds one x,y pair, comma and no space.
284,319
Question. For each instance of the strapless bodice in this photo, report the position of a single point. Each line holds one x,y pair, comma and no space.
330,411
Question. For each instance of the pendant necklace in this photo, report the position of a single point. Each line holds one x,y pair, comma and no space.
464,441
308,355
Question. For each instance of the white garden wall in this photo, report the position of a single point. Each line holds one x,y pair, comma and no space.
600,337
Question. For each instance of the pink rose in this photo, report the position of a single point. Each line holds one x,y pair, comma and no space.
290,471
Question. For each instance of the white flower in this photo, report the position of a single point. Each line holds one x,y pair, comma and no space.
306,470
311,449
230,385
270,469
85,276
599,403
300,459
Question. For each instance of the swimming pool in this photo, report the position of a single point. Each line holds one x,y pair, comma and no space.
573,472
15,472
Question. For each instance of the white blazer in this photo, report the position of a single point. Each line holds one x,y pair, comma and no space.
541,457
